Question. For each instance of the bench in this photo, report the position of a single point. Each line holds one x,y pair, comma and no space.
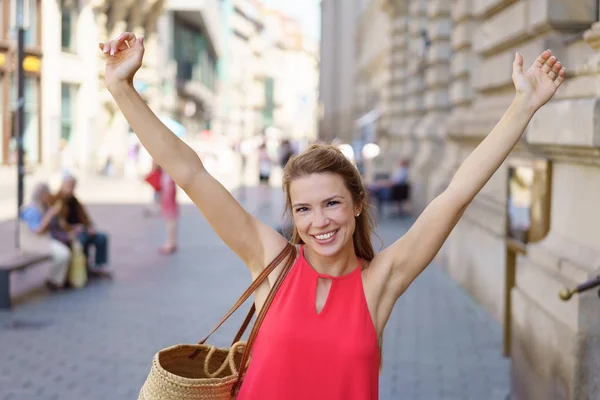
16,262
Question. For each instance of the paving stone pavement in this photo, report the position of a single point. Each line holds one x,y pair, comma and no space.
98,343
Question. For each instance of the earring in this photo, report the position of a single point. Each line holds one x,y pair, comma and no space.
357,215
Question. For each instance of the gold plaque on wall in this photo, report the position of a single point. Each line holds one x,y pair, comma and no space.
528,202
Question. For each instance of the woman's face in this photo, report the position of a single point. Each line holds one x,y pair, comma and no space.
323,212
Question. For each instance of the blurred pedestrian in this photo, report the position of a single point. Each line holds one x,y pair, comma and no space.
285,152
80,224
381,190
170,212
38,217
265,165
154,179
321,338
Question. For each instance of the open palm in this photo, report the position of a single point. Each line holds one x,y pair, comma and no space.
539,83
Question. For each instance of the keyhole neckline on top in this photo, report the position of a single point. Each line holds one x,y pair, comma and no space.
330,277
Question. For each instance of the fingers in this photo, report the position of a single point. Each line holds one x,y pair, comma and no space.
518,64
561,77
555,70
541,60
549,64
124,41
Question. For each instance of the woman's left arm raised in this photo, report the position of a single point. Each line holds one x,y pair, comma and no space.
412,253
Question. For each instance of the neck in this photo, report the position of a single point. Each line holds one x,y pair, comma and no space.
338,264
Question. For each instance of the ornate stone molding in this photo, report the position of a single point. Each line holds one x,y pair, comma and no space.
571,155
394,7
592,38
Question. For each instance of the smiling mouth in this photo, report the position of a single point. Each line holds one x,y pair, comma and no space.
325,236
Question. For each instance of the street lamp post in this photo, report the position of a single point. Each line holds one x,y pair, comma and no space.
20,117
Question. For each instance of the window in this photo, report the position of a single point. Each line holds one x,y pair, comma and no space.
68,25
31,34
31,129
68,93
195,61
3,4
269,101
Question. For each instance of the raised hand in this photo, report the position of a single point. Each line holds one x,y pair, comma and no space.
538,84
123,58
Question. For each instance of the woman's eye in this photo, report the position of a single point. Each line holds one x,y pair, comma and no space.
301,209
332,203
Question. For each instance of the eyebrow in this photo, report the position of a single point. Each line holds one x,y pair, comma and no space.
324,201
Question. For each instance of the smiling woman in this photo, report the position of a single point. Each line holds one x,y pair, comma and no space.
320,336
326,199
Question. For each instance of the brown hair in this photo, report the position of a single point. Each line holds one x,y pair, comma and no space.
319,159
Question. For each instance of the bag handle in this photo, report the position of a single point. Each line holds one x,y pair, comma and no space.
260,318
251,289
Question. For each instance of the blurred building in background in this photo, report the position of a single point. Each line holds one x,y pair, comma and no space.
292,69
372,41
81,125
269,74
35,137
338,69
190,48
532,230
233,68
241,101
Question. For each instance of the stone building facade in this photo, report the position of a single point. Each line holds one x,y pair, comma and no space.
450,82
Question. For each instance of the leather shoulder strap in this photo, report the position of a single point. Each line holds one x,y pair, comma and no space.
251,289
261,316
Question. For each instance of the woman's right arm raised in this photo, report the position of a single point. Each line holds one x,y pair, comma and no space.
253,241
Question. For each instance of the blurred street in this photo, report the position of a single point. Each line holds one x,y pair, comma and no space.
98,343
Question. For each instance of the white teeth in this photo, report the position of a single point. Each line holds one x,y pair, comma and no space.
325,236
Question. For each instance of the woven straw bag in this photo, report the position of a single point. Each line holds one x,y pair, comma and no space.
204,372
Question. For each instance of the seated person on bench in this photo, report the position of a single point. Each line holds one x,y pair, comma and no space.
38,219
80,225
381,190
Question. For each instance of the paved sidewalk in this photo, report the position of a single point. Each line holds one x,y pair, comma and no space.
98,343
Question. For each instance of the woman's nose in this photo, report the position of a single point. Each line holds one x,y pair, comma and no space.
320,219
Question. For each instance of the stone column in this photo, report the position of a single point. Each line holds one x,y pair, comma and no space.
461,95
430,131
398,13
411,67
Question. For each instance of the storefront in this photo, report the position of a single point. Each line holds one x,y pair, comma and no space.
8,85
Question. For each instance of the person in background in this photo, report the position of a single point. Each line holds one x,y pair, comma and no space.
265,164
79,223
382,190
170,212
285,152
38,218
155,174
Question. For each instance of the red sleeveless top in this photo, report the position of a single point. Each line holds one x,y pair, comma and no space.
301,355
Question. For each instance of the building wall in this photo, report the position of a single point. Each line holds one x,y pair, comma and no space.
445,107
372,79
97,129
338,66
